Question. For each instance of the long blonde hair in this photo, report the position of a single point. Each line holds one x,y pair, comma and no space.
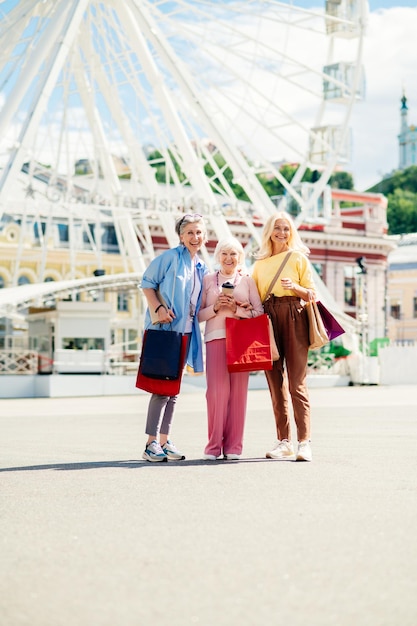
294,241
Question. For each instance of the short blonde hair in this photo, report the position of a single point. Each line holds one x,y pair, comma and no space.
230,244
294,241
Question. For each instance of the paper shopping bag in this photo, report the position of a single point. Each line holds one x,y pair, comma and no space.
248,347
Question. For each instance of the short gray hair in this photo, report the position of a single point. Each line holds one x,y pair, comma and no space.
188,218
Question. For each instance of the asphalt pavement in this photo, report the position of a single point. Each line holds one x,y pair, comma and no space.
91,535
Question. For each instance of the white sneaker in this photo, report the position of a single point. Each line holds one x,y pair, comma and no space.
154,453
210,457
172,452
304,451
283,451
232,457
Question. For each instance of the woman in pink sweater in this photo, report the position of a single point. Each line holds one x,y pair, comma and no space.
226,392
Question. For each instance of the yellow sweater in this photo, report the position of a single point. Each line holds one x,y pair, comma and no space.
297,268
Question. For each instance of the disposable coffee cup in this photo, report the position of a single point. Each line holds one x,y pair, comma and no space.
227,289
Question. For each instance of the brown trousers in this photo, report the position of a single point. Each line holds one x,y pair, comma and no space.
290,323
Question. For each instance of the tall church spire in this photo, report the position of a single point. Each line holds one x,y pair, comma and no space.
407,139
404,114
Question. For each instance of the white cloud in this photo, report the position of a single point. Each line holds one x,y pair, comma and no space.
390,60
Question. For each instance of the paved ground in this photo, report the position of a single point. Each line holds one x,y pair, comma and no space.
92,536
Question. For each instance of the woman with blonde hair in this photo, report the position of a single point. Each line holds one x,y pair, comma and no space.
283,303
228,292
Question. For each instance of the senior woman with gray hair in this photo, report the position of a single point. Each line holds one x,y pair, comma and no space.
178,276
227,392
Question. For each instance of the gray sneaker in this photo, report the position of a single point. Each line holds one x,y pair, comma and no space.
154,453
283,451
172,452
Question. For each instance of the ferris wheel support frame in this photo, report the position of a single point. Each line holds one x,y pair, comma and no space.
318,190
55,46
249,182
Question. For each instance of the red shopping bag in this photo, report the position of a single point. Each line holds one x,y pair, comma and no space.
163,387
248,347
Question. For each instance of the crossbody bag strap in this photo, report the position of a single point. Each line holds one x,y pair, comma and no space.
274,280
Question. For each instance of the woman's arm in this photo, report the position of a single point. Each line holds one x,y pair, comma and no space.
253,307
300,280
165,316
303,293
209,304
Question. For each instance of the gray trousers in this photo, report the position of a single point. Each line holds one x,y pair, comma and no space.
160,414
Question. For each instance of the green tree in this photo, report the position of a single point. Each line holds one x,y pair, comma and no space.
274,187
402,212
341,180
228,175
403,179
157,160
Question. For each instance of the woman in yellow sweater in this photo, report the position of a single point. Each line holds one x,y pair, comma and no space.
289,319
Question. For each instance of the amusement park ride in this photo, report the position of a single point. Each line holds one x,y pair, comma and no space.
117,116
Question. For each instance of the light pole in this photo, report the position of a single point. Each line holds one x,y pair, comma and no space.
362,314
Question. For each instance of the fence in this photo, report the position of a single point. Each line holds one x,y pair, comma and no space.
18,362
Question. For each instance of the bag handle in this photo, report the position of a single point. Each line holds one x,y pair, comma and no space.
166,305
274,280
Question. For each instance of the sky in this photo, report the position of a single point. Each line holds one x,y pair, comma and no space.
390,63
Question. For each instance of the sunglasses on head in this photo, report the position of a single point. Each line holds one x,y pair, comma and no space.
189,217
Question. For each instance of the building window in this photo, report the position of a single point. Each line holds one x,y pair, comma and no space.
350,285
83,343
319,269
63,231
1,282
396,311
133,339
23,280
122,302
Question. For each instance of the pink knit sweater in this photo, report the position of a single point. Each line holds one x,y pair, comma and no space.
245,291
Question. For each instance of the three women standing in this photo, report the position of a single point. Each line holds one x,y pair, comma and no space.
192,297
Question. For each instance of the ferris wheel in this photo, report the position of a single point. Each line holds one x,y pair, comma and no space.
124,113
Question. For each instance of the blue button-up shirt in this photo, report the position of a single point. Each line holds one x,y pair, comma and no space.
170,272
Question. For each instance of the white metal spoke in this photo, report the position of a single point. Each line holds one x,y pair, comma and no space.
105,84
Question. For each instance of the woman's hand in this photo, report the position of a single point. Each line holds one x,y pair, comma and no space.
287,283
226,301
165,316
245,305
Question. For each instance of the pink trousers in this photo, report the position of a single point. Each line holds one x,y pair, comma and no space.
226,402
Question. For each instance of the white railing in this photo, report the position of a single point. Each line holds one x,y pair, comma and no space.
18,362
123,362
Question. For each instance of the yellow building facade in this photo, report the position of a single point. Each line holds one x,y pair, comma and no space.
402,290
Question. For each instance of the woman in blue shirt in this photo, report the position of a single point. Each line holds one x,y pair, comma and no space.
178,276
